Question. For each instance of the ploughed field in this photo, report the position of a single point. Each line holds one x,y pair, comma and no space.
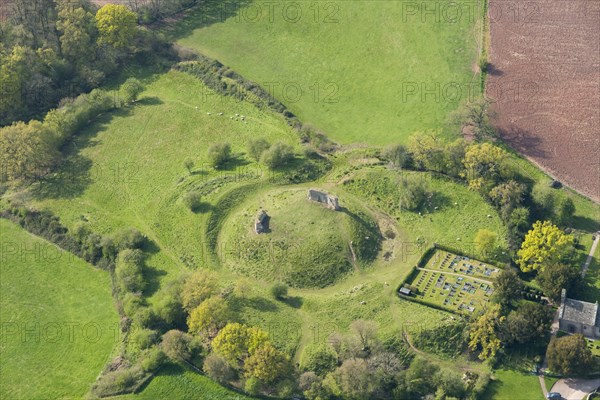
544,77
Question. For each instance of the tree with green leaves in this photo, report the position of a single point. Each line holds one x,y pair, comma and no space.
319,358
528,323
235,342
129,270
211,315
483,332
565,211
256,148
198,287
413,192
485,242
507,287
397,155
117,26
569,355
555,277
77,33
484,165
177,345
219,154
278,155
266,363
544,245
131,89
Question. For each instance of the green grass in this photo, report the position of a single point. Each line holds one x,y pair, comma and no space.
59,323
459,215
591,283
308,245
346,67
174,382
509,384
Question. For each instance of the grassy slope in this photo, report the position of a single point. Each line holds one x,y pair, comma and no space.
67,308
511,384
175,383
362,58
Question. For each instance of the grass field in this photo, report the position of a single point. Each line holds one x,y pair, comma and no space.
358,70
173,382
510,384
59,324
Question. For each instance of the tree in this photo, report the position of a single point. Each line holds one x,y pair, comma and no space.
451,382
277,155
413,193
545,244
530,322
129,270
279,291
131,90
129,239
354,379
507,196
483,332
77,33
219,154
266,364
569,355
398,155
257,147
365,332
558,276
476,114
26,151
218,368
116,25
236,341
565,211
507,287
198,287
427,151
485,242
211,315
177,345
484,165
192,200
419,376
544,197
319,358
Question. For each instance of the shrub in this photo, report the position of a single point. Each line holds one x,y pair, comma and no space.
132,302
319,358
177,345
252,386
278,155
129,271
218,368
192,200
198,287
188,164
119,381
279,290
131,89
397,155
413,193
129,239
257,147
219,154
145,338
152,359
145,317
569,355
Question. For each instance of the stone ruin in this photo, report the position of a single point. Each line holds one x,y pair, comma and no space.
324,198
261,224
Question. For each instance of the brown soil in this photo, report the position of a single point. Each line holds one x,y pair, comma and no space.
545,79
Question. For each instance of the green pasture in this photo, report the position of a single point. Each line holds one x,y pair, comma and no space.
59,323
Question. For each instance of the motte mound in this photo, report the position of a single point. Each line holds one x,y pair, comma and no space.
306,245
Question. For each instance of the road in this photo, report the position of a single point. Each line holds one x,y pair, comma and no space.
575,389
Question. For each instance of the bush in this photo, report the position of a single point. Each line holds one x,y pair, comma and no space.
257,147
219,154
569,355
131,89
318,358
129,239
397,155
188,164
152,359
128,271
145,317
278,155
413,193
218,368
279,291
132,302
252,386
192,200
145,338
177,345
117,382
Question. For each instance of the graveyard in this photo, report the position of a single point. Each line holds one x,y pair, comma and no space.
454,283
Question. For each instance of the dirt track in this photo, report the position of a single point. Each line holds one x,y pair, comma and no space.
545,77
